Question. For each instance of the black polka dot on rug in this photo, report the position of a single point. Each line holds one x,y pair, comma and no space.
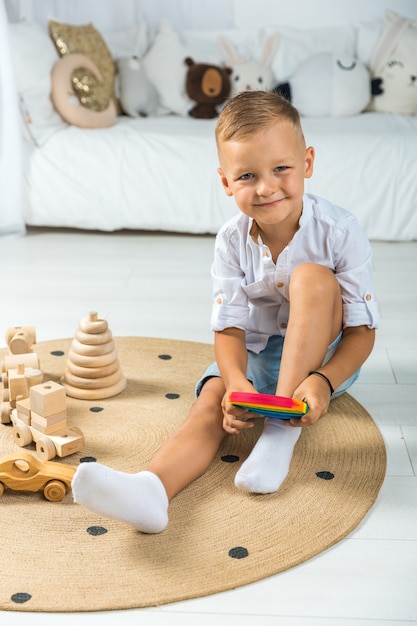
96,531
57,353
325,475
238,553
96,409
172,396
88,459
230,458
165,357
20,598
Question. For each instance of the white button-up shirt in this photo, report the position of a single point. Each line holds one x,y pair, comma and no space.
250,291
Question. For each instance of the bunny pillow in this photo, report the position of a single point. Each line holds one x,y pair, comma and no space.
249,75
394,63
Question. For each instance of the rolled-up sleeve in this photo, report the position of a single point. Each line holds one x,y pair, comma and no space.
354,274
230,303
363,313
226,315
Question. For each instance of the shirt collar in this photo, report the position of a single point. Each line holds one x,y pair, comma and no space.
306,215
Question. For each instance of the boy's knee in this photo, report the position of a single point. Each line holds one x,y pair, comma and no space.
207,408
212,392
312,275
310,270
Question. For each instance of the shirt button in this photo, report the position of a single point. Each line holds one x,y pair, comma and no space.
279,285
266,253
219,300
368,297
283,325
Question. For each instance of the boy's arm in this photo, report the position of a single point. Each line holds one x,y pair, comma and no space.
231,355
355,347
232,358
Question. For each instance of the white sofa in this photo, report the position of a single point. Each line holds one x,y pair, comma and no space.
159,172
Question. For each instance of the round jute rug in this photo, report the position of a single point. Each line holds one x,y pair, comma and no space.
56,556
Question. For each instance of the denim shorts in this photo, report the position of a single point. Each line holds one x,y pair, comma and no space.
263,368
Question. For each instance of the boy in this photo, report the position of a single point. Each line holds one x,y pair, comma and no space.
293,314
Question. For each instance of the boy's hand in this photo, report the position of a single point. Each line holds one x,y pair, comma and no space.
234,417
315,391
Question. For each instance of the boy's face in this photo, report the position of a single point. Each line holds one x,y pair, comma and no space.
265,173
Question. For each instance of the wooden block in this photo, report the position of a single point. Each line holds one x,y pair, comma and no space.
23,418
49,429
17,383
48,398
23,406
50,419
23,410
70,441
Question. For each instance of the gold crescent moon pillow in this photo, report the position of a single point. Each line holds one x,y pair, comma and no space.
73,76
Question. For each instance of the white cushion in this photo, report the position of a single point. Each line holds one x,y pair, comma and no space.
33,55
166,69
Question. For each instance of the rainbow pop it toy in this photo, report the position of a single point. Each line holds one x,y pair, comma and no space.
278,407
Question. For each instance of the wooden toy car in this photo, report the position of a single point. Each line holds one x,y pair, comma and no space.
65,442
24,472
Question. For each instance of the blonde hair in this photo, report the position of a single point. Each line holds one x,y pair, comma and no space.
250,111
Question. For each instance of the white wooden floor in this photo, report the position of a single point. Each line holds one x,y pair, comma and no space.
159,286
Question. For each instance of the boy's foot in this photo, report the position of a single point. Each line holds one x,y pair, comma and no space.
268,464
136,499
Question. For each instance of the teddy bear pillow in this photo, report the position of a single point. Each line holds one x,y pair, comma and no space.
394,62
208,86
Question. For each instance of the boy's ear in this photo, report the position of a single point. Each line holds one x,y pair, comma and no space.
224,182
309,162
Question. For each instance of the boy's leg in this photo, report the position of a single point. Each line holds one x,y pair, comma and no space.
315,321
189,451
142,499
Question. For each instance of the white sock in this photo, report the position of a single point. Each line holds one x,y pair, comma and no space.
268,464
137,499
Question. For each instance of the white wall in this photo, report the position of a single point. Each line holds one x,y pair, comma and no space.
116,15
312,13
